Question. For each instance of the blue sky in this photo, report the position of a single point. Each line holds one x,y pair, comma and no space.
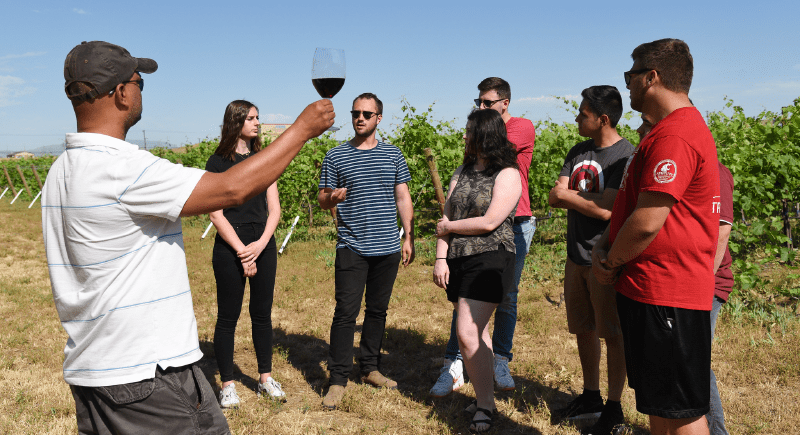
210,53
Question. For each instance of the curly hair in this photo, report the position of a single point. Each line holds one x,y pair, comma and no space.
487,138
232,123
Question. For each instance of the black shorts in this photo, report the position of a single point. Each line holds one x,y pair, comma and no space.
485,277
668,357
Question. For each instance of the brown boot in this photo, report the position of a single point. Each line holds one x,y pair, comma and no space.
333,398
376,379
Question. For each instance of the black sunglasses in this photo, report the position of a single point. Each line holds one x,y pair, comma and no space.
139,83
367,114
629,74
486,103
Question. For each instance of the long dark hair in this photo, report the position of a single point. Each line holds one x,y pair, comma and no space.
232,123
487,138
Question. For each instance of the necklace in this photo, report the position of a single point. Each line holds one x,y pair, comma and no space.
246,153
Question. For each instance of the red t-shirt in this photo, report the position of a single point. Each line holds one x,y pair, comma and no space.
522,134
723,280
678,158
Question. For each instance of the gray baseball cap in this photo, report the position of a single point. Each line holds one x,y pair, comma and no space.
102,65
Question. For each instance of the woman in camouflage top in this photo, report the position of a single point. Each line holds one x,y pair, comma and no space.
475,248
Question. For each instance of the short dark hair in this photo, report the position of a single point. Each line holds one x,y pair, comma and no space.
496,84
487,137
604,100
373,97
671,58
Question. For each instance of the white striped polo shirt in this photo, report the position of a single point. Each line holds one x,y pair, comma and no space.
114,245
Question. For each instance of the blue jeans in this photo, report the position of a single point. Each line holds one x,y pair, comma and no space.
715,416
505,317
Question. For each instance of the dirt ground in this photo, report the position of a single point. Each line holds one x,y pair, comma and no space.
756,362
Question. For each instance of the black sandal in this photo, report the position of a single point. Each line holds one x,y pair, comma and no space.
486,421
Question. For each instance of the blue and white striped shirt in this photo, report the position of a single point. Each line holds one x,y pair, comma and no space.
368,217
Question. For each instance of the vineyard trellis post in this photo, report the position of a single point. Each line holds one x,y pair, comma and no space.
437,182
24,181
10,183
36,174
787,226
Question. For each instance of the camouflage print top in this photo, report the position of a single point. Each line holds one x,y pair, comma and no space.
471,198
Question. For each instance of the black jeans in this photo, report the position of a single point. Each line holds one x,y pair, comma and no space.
353,273
177,400
229,275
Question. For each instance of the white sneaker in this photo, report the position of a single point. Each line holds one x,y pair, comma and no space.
228,397
450,379
502,375
272,389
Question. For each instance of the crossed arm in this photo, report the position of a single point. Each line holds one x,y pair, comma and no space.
596,205
638,231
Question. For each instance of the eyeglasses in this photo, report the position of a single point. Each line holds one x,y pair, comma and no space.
486,103
367,114
139,83
629,74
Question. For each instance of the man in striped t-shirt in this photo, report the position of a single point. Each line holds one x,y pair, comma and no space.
365,179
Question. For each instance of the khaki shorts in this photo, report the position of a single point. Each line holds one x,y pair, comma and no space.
590,305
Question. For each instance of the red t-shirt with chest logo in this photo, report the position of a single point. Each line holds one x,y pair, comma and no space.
678,158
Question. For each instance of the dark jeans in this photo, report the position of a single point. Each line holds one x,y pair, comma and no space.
177,400
715,416
353,273
229,274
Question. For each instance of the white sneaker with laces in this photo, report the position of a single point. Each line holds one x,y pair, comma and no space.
228,397
450,379
272,389
502,375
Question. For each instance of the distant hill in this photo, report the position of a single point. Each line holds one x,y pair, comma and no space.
57,149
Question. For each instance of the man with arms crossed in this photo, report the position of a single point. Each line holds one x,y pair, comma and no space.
587,187
495,93
723,277
661,242
112,233
366,180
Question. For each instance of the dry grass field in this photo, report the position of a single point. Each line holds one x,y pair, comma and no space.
757,362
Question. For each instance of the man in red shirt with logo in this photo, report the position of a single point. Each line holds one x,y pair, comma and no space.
660,244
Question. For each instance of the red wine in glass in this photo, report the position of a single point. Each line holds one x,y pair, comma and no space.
327,72
328,87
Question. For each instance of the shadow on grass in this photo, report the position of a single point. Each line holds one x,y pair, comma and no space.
414,362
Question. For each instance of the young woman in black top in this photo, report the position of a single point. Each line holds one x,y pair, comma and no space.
244,248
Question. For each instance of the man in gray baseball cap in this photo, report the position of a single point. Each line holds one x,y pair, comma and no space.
114,244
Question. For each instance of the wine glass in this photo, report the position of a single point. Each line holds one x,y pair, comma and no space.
327,73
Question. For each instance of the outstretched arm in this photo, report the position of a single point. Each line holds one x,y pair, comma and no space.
216,191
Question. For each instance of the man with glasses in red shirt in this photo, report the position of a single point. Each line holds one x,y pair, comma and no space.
659,248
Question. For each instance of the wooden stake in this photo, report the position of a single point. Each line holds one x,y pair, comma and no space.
24,181
437,182
10,184
36,174
787,226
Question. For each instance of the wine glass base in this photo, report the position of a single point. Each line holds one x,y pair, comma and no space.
333,128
